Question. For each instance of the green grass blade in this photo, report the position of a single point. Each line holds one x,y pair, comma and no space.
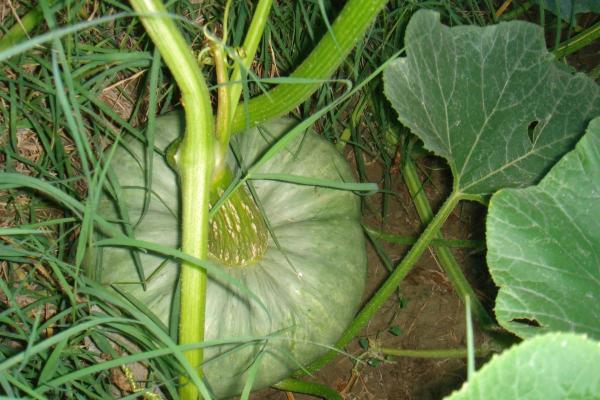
211,268
51,364
309,181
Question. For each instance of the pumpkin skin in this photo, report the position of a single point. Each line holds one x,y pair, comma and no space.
311,285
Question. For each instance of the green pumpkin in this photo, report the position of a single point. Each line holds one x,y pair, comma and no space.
311,284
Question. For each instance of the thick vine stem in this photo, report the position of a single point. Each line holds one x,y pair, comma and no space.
583,39
349,27
255,32
223,119
229,92
310,388
391,283
444,255
223,116
430,353
195,169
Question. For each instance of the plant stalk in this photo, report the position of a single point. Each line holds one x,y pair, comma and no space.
391,283
223,117
195,171
21,28
518,11
429,353
251,42
349,27
443,253
581,40
470,340
410,240
310,388
228,91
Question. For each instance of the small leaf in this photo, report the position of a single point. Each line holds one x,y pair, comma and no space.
395,330
402,302
363,343
491,100
543,247
374,362
555,366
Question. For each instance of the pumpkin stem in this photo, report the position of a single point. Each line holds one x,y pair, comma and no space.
238,233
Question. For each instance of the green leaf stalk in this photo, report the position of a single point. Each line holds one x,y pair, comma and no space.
196,155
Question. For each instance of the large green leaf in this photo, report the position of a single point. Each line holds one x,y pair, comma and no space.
544,247
556,366
566,9
492,101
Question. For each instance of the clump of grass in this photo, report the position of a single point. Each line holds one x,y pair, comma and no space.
63,104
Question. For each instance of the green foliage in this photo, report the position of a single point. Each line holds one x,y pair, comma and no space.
61,105
479,98
543,247
553,366
65,336
568,9
61,346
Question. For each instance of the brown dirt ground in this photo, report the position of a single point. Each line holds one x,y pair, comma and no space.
426,309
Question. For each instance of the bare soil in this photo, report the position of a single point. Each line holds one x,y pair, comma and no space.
424,314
